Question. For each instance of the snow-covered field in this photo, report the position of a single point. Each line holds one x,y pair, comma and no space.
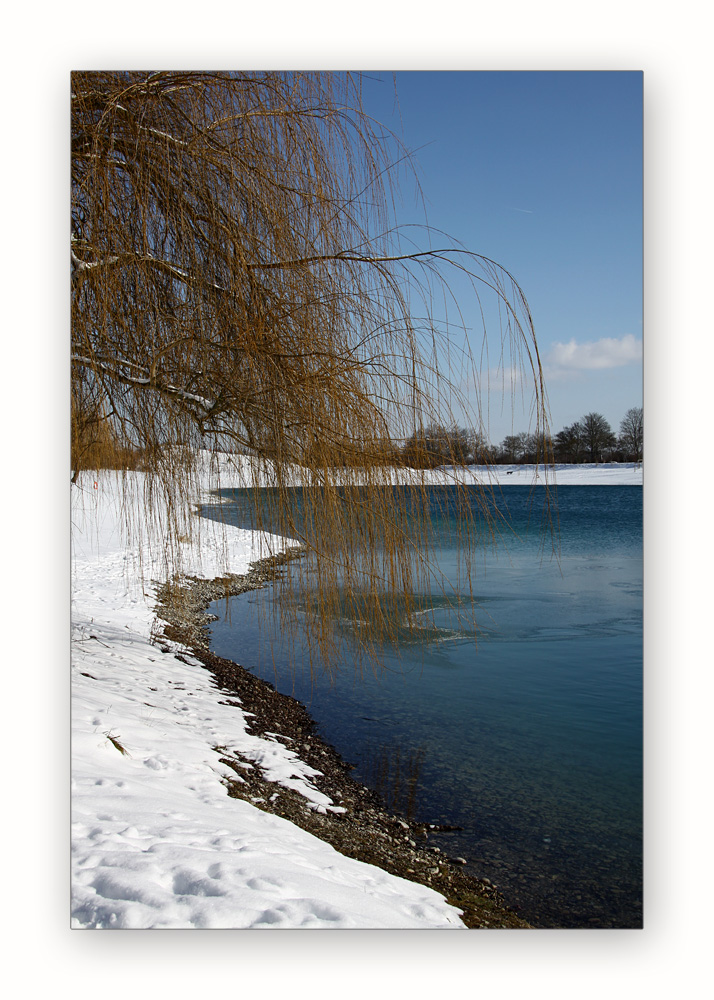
605,474
156,841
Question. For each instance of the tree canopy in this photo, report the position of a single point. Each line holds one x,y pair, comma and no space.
239,281
632,433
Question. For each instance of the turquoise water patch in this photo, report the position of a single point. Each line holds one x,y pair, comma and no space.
529,739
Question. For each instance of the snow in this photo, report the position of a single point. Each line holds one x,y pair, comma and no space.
604,474
156,841
600,474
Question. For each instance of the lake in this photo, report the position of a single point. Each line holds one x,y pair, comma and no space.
529,740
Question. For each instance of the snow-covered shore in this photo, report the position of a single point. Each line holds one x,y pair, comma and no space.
156,842
603,474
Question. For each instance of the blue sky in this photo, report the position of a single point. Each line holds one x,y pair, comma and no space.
542,172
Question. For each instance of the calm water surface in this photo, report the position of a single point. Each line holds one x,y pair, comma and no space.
529,741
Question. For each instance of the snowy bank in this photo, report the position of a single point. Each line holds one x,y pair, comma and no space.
603,474
235,472
156,841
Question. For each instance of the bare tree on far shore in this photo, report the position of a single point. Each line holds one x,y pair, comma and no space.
632,434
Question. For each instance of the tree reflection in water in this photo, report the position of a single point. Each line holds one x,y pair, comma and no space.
394,774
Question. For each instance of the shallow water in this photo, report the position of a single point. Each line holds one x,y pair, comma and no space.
529,741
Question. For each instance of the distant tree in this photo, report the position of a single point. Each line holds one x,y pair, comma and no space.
546,452
425,448
632,434
511,448
569,444
436,445
469,447
598,437
526,447
482,452
459,446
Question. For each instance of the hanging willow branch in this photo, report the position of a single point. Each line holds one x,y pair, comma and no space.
237,282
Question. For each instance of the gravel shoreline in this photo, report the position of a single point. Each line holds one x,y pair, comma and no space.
365,831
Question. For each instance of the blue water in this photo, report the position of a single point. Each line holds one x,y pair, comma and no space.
528,740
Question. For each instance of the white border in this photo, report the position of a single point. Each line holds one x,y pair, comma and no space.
673,50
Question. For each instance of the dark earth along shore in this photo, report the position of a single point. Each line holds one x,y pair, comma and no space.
366,831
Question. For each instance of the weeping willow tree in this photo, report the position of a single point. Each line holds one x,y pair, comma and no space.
238,284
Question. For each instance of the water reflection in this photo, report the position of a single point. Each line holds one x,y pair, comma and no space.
393,772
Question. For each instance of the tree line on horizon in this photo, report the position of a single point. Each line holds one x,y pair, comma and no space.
590,439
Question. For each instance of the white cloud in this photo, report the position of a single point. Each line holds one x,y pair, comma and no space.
595,354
